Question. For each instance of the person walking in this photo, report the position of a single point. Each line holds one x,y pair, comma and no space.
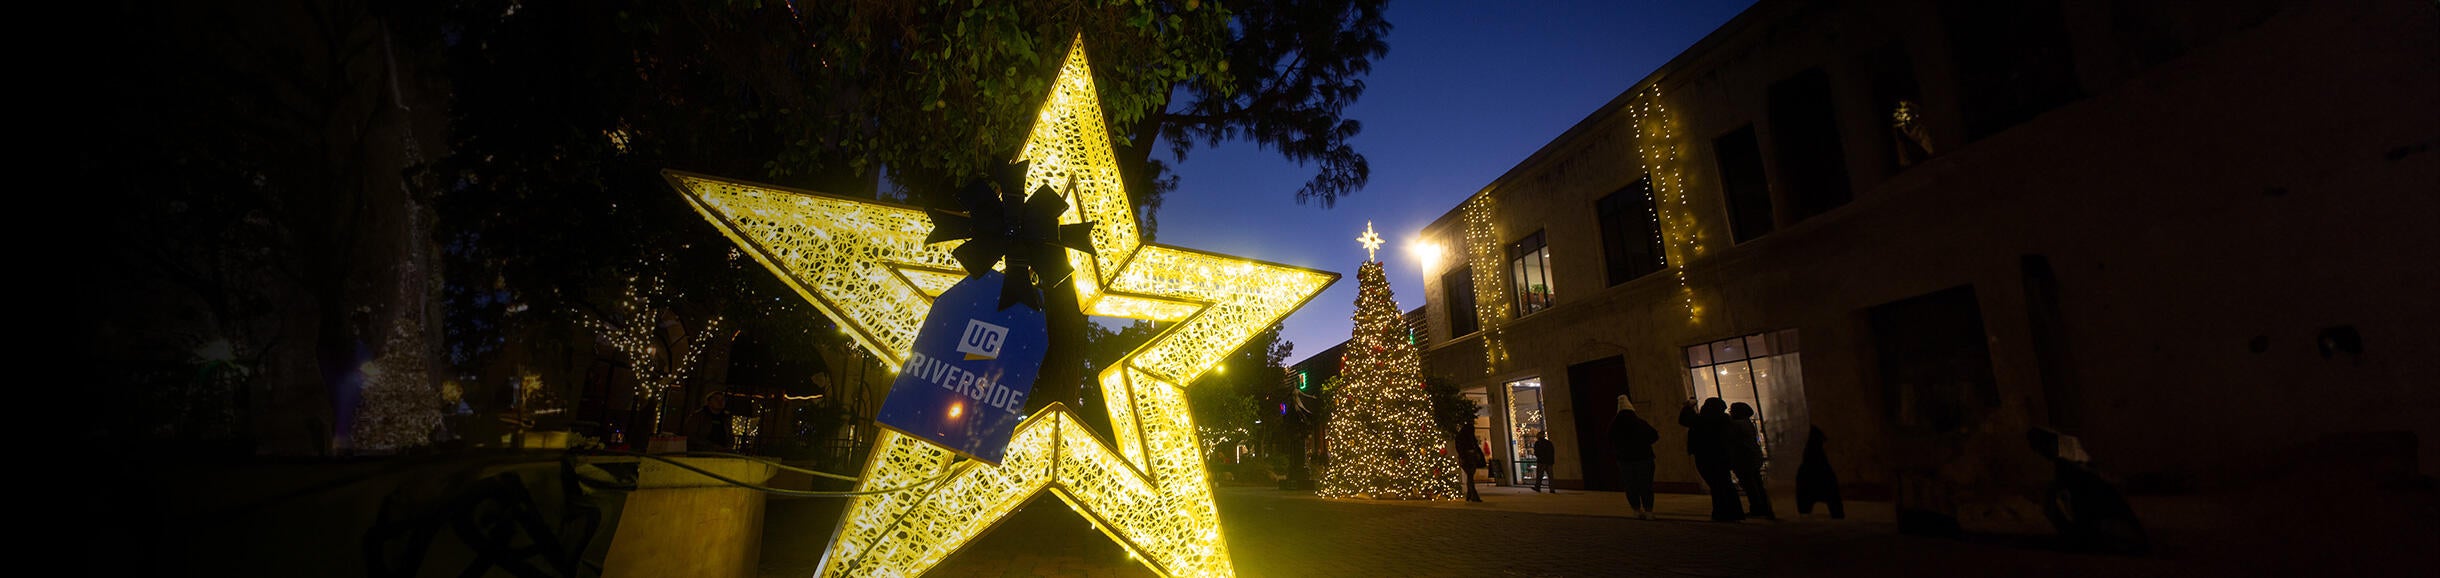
1745,460
1707,440
1633,438
1470,457
1815,482
1544,455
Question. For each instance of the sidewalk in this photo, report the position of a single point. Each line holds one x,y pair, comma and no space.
1519,499
1515,531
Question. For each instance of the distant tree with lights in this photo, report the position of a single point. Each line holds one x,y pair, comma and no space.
1226,402
635,328
400,407
1382,438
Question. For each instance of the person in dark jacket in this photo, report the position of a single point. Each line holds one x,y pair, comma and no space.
1544,456
1632,438
1815,482
707,430
1470,457
1745,460
1707,439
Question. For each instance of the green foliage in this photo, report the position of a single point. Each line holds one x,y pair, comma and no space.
1451,409
1222,418
1227,404
939,91
1103,348
1297,65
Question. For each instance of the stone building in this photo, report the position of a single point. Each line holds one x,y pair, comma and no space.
2198,235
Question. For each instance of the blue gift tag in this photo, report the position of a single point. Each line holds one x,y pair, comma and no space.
965,384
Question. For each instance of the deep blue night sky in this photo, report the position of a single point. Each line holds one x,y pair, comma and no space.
1468,90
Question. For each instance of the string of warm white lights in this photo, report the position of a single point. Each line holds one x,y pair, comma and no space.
1656,148
1490,280
633,330
1382,443
1680,233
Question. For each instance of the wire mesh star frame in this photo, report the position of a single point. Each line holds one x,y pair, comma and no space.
864,264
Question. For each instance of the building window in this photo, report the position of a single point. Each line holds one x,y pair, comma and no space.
1804,133
1525,424
1529,268
1763,370
1458,286
1631,232
2147,35
1741,181
1935,362
1897,106
2013,61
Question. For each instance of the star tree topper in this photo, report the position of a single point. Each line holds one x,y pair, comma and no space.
867,265
1370,241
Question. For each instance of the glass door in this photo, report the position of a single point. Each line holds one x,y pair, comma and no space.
1525,423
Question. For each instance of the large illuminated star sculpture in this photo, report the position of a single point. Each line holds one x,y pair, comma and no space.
865,264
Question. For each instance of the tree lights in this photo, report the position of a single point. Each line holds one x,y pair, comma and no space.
633,328
1382,441
864,264
399,410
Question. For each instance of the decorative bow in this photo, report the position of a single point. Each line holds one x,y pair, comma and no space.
1002,222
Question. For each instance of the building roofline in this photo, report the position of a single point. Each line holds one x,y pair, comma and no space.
1737,24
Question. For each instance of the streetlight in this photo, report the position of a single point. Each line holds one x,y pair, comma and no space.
1429,253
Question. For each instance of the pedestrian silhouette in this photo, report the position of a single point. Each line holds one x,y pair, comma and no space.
2082,503
1469,456
1544,455
1707,440
1745,459
1633,439
1815,482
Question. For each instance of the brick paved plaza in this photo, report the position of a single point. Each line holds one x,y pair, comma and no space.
1516,532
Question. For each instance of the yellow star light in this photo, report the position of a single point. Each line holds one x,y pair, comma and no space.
864,264
1370,242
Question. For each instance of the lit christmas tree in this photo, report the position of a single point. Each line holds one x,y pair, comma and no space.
400,407
1382,443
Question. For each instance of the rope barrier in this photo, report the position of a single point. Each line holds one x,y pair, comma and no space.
629,485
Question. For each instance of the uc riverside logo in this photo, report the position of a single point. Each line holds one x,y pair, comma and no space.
982,340
965,382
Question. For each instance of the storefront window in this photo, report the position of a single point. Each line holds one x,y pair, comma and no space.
1529,274
1763,370
1525,422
